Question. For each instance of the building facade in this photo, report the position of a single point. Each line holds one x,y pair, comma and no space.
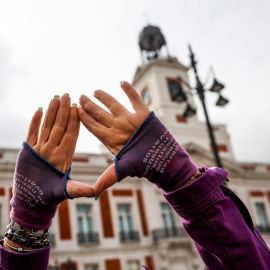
131,224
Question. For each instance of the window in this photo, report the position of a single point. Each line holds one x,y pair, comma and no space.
85,224
84,218
133,265
124,217
91,267
146,96
127,233
261,214
167,216
176,91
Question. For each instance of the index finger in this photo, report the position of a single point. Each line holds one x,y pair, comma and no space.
133,96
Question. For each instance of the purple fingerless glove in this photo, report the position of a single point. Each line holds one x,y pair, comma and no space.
38,189
153,153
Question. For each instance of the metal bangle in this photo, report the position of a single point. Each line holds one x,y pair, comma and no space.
21,249
27,237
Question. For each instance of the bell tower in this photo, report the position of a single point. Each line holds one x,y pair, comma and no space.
162,82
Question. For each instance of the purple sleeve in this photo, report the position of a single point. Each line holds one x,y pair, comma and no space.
219,223
21,261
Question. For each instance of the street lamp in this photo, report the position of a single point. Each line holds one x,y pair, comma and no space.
216,87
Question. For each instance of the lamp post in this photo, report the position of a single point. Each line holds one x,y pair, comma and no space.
217,87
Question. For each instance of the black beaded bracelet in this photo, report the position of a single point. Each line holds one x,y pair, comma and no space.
35,238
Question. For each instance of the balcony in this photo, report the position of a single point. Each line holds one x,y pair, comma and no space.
263,229
168,233
87,238
131,236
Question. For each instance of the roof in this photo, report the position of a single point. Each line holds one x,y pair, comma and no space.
169,61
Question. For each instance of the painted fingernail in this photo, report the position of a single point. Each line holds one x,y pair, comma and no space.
66,94
40,108
74,104
97,197
91,196
57,96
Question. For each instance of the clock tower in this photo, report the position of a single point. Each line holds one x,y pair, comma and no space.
163,84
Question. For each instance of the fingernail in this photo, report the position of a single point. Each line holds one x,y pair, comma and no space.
97,197
40,108
57,96
121,82
95,94
91,196
74,104
66,94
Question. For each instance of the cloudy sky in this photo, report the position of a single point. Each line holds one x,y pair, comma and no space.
53,47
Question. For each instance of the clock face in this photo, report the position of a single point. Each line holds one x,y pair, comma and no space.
146,96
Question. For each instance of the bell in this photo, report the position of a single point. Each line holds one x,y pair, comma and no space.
189,111
222,101
179,97
217,86
176,91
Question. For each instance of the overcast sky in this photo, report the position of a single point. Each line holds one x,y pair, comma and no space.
53,47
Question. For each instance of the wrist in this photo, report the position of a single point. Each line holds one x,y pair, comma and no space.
22,239
194,177
7,243
38,189
153,153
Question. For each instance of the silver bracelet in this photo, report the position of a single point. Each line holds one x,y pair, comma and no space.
27,237
21,249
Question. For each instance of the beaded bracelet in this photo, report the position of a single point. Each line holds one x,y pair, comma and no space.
34,238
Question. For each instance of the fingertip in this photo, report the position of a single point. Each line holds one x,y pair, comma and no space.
83,99
123,83
65,97
38,114
74,109
127,86
97,93
106,180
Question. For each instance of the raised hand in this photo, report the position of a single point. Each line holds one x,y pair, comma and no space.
57,140
112,129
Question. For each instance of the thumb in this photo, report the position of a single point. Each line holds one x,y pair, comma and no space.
33,130
106,180
77,189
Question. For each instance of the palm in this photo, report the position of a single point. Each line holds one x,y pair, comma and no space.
57,140
112,129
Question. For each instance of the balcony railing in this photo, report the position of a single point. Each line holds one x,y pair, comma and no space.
88,238
131,236
263,229
168,233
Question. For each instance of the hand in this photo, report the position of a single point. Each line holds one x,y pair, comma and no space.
112,129
57,140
